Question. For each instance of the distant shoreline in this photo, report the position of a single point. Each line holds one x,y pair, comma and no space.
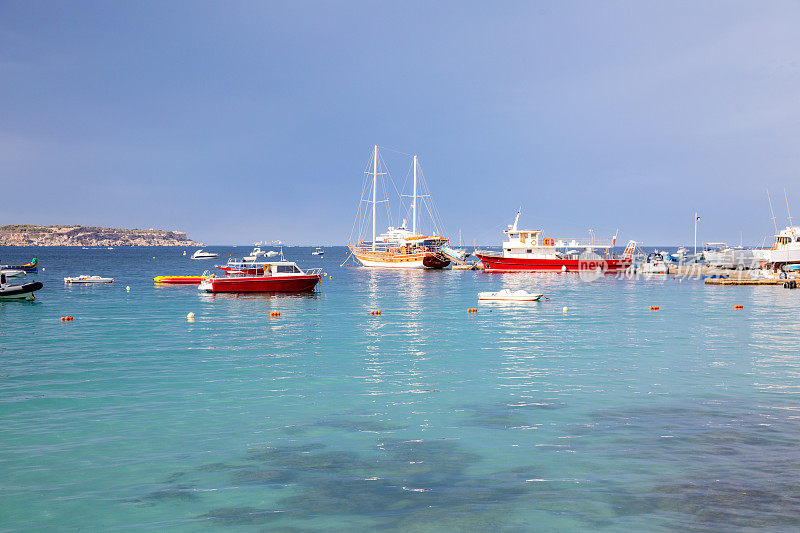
76,235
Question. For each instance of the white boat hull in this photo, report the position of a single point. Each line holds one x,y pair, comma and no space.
90,279
502,296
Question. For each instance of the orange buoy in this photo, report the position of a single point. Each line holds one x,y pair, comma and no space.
69,318
654,308
738,307
63,319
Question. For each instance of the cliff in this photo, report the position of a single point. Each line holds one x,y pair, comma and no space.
32,235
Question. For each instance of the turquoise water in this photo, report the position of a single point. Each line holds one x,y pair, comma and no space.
426,418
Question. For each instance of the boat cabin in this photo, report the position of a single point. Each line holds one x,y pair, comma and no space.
786,237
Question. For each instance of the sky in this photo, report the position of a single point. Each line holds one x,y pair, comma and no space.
243,121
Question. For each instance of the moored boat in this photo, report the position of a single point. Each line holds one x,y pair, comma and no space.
277,276
318,251
11,272
529,250
178,280
20,291
200,254
507,295
398,247
30,268
88,279
785,250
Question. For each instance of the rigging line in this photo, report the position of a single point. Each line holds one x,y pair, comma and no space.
346,258
435,215
395,151
359,216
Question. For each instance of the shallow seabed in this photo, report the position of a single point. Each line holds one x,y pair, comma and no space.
426,418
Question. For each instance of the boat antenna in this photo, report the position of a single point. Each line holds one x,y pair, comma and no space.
516,219
786,197
769,198
696,218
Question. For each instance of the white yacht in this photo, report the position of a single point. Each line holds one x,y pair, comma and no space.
200,254
785,251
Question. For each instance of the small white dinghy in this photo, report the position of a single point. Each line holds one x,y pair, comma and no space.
11,272
508,295
88,279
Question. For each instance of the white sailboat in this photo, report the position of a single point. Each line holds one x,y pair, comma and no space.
398,247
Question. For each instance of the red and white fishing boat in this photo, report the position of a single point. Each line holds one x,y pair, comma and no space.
529,250
277,276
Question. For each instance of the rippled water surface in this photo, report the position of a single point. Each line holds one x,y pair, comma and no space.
426,418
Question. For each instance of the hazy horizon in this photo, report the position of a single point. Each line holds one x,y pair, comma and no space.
251,121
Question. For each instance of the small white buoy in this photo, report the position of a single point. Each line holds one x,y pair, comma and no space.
42,269
128,288
190,316
564,268
565,309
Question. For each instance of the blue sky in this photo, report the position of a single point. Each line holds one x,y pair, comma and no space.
241,121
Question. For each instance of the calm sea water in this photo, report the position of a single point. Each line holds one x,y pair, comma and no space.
426,418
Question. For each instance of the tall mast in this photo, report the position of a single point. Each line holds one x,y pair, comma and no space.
787,206
374,191
696,218
414,203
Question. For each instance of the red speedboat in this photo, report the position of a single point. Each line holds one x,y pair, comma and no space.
279,276
529,250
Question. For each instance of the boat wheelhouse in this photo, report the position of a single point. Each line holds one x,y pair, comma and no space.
530,250
276,276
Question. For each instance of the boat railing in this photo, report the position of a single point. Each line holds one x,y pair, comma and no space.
313,271
584,243
388,248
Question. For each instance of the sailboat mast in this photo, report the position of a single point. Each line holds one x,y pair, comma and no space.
374,192
414,203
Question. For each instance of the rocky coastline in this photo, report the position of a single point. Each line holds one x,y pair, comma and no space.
75,235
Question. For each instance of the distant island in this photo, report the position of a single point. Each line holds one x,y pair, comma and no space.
33,235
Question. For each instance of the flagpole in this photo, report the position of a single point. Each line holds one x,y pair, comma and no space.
696,218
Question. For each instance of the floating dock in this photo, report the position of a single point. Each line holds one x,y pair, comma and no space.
744,281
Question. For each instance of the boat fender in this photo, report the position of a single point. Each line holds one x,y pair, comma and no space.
564,268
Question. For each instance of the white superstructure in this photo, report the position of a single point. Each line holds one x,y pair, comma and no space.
786,249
